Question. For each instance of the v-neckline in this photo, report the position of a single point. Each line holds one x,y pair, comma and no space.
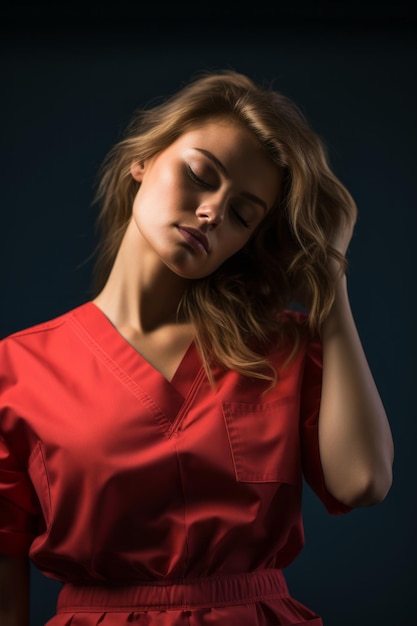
130,360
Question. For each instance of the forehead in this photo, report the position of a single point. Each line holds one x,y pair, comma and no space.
233,134
240,153
230,142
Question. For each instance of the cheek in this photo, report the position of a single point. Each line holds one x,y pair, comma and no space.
137,211
165,183
160,198
145,217
146,205
239,241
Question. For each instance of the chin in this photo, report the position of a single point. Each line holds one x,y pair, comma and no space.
190,275
189,271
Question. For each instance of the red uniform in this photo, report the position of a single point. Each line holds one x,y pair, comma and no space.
156,503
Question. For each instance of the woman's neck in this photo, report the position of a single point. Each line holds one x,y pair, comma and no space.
141,292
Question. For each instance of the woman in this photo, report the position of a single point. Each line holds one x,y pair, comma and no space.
154,439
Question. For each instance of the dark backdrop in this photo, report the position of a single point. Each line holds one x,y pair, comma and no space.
69,84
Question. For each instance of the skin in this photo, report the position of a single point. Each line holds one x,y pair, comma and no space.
355,439
153,266
215,179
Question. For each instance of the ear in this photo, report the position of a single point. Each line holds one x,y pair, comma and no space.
137,170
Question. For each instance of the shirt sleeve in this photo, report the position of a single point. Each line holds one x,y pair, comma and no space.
310,406
18,506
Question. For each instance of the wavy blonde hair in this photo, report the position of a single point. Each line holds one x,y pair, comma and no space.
238,311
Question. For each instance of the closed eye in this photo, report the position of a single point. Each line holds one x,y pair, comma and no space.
239,218
197,180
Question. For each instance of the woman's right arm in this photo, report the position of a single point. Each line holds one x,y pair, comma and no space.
14,591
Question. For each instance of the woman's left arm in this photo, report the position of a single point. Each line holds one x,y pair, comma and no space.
356,446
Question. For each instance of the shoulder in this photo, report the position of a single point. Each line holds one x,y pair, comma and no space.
20,336
38,339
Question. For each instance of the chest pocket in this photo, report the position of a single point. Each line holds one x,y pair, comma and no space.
264,441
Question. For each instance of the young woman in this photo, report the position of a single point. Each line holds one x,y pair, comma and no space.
155,438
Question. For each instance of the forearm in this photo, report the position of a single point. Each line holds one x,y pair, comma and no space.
14,591
355,439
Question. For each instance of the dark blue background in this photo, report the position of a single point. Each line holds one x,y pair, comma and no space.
68,90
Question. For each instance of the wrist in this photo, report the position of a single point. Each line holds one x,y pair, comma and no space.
340,314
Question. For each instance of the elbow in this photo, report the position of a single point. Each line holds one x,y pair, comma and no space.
368,489
374,492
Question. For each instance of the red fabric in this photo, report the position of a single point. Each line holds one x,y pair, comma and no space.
111,474
235,599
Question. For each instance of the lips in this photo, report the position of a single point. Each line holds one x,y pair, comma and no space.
194,237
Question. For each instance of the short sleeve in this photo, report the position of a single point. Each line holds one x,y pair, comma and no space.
18,506
310,406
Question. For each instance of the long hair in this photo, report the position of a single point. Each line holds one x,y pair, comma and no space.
238,311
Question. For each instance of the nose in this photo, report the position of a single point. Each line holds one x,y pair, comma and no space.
211,213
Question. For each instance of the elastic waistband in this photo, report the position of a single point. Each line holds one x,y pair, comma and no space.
218,590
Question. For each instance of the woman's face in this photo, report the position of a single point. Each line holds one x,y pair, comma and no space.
201,198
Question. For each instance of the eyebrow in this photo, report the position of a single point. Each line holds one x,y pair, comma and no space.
221,167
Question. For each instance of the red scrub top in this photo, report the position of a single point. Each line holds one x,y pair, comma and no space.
155,503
